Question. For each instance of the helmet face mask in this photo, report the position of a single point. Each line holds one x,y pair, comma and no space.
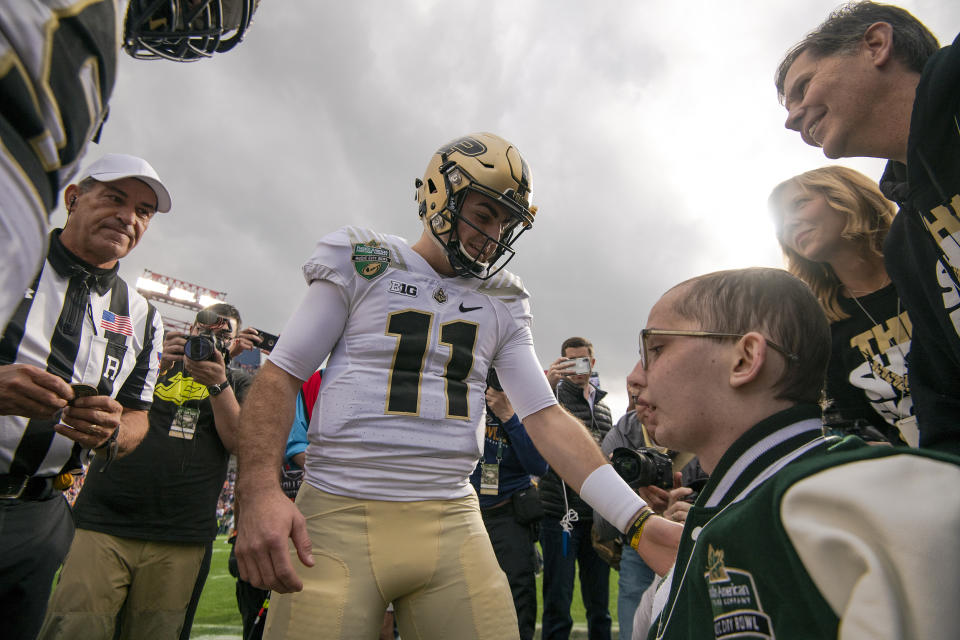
486,164
185,30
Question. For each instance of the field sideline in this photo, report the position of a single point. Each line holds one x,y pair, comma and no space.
218,619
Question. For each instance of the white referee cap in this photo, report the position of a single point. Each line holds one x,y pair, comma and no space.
117,166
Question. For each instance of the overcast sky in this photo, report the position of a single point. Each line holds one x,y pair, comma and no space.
652,130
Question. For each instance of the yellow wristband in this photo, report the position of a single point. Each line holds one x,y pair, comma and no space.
636,529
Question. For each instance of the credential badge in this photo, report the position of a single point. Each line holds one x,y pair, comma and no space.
370,259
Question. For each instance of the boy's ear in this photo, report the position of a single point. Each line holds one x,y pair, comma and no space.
750,354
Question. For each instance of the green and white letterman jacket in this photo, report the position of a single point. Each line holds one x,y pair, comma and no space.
793,538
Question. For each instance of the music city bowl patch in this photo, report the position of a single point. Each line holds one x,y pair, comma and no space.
733,596
370,259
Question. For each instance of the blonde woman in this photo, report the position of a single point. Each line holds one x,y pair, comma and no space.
831,223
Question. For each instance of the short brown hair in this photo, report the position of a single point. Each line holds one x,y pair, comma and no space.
869,216
225,309
575,343
771,302
842,33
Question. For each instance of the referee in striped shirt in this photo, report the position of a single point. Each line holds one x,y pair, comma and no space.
78,364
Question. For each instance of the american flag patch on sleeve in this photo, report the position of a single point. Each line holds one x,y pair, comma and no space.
116,323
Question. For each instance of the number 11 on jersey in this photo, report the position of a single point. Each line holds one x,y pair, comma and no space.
412,329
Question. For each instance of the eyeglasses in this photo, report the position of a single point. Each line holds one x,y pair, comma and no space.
645,359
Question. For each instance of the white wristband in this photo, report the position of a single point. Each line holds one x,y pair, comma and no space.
610,496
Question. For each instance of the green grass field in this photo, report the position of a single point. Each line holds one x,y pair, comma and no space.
218,619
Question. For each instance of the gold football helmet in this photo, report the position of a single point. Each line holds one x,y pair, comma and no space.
491,166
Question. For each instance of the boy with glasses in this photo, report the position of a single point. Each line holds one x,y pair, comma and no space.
794,535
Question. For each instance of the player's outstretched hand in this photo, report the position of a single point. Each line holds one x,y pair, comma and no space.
267,519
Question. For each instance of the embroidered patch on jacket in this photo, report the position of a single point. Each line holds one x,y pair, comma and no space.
403,289
733,596
370,259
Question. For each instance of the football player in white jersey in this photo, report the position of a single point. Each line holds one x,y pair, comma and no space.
386,511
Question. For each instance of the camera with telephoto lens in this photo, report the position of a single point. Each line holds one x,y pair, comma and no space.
202,345
643,467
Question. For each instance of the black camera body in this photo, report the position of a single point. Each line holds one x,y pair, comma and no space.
203,345
200,347
643,467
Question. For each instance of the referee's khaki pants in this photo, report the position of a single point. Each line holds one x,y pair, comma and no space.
432,559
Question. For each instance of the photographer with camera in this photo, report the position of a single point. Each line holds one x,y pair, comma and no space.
509,503
565,533
146,524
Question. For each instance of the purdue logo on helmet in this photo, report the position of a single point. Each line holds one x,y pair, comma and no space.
489,165
185,30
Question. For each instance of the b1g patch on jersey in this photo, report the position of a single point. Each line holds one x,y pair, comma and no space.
733,597
403,289
370,259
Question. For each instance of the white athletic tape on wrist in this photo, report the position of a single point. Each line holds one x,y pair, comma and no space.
610,496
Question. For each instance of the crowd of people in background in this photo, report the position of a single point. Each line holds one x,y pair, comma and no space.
225,513
417,483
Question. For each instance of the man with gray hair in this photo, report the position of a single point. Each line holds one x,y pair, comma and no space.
794,535
872,81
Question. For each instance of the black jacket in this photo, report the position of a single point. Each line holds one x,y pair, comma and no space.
922,239
598,423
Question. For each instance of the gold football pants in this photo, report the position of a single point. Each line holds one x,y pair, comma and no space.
432,559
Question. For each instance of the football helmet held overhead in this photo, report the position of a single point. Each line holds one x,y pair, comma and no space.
185,30
491,166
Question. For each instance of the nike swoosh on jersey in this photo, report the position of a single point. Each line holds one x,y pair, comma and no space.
464,309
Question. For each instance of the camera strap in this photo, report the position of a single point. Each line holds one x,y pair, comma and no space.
566,522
